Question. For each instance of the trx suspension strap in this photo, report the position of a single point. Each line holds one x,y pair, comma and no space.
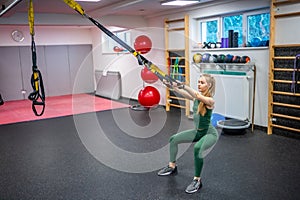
141,59
38,95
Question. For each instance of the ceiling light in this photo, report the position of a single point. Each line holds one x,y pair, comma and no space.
178,2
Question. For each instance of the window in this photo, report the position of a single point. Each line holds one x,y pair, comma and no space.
258,29
235,23
209,30
252,28
111,46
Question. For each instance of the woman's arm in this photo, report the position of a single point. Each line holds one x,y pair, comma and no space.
184,93
178,88
209,101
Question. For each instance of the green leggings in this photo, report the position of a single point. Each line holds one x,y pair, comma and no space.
205,139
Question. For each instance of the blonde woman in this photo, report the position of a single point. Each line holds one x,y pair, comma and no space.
204,135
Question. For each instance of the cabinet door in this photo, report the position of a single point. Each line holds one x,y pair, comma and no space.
58,70
81,69
10,74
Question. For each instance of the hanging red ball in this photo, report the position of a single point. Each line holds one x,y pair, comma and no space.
142,44
149,96
148,76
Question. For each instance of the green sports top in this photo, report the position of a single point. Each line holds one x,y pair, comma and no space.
201,122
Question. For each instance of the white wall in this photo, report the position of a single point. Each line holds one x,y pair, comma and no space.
46,35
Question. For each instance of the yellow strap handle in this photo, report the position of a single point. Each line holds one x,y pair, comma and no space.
75,6
31,17
154,68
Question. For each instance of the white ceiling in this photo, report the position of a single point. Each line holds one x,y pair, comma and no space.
98,9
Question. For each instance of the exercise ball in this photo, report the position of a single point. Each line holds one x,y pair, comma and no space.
142,44
205,57
149,96
148,76
245,59
197,58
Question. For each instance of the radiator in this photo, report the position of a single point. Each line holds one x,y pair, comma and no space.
232,97
108,84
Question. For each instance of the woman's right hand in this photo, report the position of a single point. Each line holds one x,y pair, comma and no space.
173,84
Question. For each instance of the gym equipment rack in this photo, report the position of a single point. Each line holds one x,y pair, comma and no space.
284,104
172,54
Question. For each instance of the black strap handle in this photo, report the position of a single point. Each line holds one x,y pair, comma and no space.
37,98
38,95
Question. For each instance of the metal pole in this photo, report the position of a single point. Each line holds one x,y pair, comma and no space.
7,8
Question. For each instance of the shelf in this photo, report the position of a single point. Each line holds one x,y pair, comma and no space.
174,20
176,50
287,2
176,105
175,29
229,64
173,57
284,81
177,74
286,105
285,127
283,70
182,66
226,67
283,57
285,45
178,98
229,49
286,93
285,116
292,14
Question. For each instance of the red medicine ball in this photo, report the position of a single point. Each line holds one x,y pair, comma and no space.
149,96
142,44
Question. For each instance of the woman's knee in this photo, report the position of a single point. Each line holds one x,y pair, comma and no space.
172,138
197,150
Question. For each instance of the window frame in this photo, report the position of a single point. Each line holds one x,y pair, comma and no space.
199,27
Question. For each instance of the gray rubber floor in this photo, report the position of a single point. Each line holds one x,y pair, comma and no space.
58,159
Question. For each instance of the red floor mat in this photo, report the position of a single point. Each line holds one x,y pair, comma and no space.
20,111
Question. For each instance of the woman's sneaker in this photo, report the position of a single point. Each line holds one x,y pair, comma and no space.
194,186
166,171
